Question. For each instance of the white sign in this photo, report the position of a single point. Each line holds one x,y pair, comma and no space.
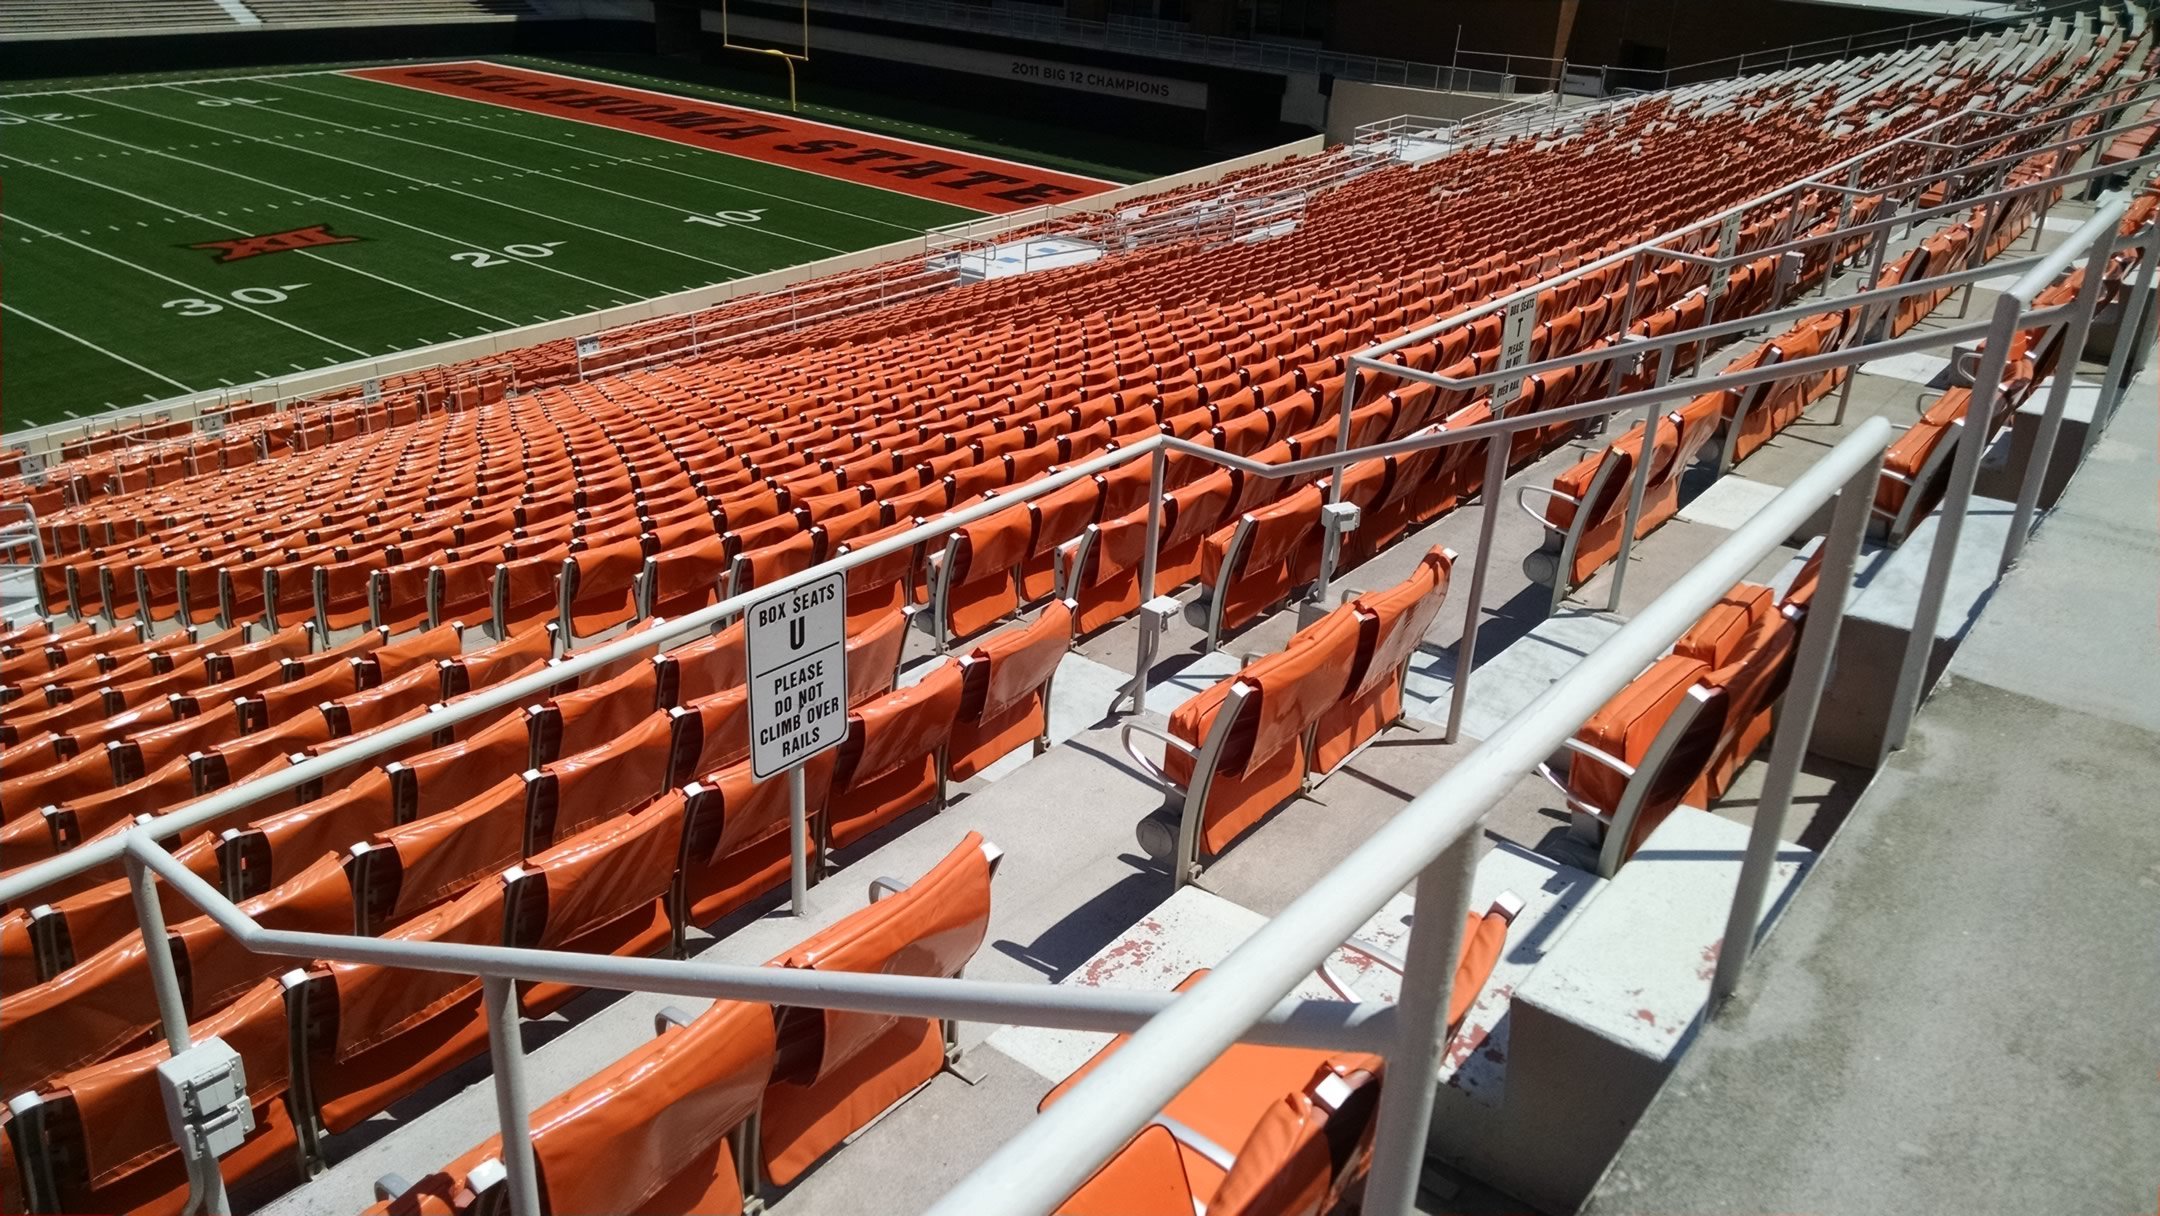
31,467
797,660
588,346
1515,333
211,422
1728,239
371,389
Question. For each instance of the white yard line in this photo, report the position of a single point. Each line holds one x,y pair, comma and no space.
660,139
325,199
223,300
159,84
307,253
409,178
677,208
80,340
240,13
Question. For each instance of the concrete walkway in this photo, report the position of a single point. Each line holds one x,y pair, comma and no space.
1957,1013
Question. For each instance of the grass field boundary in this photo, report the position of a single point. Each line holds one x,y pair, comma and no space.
79,340
808,122
868,219
418,181
554,176
309,254
48,437
159,84
969,180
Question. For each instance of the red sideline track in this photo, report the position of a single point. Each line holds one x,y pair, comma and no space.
982,183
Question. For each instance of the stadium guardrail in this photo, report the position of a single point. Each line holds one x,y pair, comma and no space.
1430,843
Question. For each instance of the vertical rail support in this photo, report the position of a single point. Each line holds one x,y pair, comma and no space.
2043,446
1864,324
1795,725
1496,454
206,1183
1331,542
2135,307
1154,617
1653,415
798,839
164,977
1950,522
506,1052
1428,981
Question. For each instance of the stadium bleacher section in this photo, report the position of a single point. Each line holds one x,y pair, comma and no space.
218,608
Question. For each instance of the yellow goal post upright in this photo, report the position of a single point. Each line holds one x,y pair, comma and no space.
788,57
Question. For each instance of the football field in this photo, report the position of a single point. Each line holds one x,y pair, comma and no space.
165,238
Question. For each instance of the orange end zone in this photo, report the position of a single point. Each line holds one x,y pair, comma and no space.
982,183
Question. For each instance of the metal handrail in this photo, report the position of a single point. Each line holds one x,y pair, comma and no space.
1429,841
1659,244
103,850
1056,1152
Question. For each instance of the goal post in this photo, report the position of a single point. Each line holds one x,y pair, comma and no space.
788,56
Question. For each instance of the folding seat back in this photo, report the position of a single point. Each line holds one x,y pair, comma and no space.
1005,697
105,1004
256,857
714,663
1394,622
587,717
461,589
368,1035
735,837
68,824
97,1140
1257,561
649,1133
227,662
599,588
882,585
86,774
518,655
1639,755
1239,749
1055,518
894,757
1750,682
415,866
568,795
602,891
976,578
836,1071
360,712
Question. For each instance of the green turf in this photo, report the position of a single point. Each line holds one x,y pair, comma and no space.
107,305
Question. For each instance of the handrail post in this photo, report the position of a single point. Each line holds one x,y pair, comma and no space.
206,1182
1653,414
1330,543
157,951
1404,1119
1795,725
1151,626
1496,455
2066,361
1950,518
506,1052
2116,382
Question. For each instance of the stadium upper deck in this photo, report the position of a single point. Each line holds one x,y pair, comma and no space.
335,677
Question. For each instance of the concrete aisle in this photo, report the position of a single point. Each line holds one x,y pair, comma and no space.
1957,1013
